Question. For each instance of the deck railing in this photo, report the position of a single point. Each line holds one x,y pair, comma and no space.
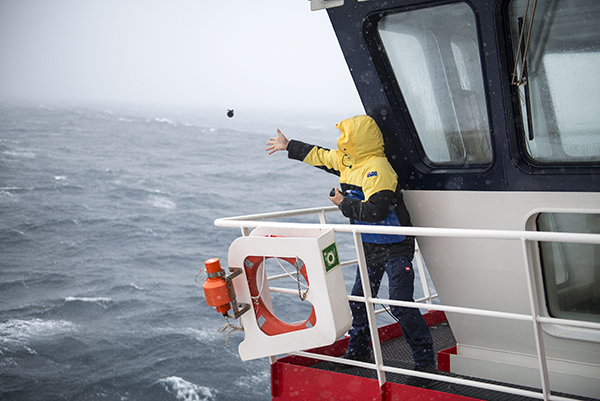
245,223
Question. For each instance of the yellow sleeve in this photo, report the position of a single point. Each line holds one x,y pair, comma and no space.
324,158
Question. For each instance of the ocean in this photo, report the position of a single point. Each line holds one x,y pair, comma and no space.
106,218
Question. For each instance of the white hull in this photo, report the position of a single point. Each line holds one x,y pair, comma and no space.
492,274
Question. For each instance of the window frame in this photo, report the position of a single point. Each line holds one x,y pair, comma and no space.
399,106
518,121
550,288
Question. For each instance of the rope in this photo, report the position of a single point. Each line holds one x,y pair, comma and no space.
291,275
200,272
300,293
233,328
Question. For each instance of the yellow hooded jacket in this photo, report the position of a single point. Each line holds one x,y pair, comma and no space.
362,166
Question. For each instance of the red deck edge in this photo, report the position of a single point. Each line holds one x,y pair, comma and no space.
444,359
294,383
292,378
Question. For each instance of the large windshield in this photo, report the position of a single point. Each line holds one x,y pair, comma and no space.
559,87
434,53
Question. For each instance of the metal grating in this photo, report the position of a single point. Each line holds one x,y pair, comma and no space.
397,353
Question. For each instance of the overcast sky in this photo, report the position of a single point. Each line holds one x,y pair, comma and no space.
271,54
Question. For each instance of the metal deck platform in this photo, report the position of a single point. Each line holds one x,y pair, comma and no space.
397,353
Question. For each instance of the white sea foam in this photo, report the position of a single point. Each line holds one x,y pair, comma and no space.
201,335
16,328
254,381
17,332
186,391
164,120
99,300
20,153
137,287
7,362
162,203
21,233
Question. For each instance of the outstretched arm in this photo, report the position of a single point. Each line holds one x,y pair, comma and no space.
278,143
314,155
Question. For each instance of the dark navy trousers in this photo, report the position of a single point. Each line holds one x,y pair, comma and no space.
401,284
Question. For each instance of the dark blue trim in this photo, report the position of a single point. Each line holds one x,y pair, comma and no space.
511,169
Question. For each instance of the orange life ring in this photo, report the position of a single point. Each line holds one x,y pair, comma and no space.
269,323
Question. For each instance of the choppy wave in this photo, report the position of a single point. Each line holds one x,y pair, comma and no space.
137,287
17,333
24,329
165,120
98,300
14,189
161,202
260,379
201,335
82,307
12,236
107,218
186,391
20,153
128,287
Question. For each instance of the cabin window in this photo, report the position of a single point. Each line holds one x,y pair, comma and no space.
571,271
434,55
558,85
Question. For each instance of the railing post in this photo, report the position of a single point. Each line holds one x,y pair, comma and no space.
537,325
322,218
418,258
366,285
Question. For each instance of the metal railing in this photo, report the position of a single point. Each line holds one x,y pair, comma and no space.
245,223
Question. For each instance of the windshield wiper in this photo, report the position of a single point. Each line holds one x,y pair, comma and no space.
522,54
523,81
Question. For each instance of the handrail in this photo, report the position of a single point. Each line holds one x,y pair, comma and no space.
580,238
255,220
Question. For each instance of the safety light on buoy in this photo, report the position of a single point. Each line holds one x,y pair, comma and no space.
215,286
218,289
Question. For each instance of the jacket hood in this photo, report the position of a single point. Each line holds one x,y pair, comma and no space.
361,139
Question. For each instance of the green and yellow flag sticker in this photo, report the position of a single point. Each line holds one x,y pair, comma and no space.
330,257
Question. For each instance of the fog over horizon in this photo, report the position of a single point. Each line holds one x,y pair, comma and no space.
249,55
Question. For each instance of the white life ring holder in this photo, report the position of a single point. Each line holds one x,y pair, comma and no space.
269,323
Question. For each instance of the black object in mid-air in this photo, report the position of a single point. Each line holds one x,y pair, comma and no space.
230,113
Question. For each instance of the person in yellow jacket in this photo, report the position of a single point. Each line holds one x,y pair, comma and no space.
370,195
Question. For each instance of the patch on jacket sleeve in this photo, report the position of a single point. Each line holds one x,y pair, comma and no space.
371,174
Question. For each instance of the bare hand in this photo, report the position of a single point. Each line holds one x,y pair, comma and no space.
337,198
278,143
